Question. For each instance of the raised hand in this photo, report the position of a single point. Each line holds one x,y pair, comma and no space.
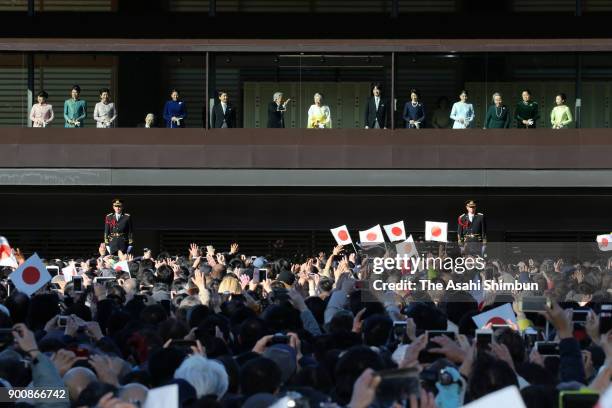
63,360
220,259
233,248
199,280
358,321
244,281
194,250
93,330
364,389
25,339
560,320
105,368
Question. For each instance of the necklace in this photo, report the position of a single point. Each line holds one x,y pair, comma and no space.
501,111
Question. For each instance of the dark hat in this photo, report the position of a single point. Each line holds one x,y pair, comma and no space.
284,356
286,277
117,201
470,203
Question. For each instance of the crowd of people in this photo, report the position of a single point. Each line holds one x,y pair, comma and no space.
223,113
233,329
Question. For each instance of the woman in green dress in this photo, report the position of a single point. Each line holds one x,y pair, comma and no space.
498,114
561,115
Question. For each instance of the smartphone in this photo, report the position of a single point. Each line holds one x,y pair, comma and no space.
104,279
279,338
547,348
78,283
530,337
397,385
580,316
263,272
53,270
578,399
484,337
61,321
435,333
399,329
605,319
534,303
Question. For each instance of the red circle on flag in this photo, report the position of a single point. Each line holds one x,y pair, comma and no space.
496,320
371,236
397,231
436,231
604,242
343,235
30,275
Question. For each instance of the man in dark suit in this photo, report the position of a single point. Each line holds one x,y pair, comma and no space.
471,230
223,113
276,111
118,230
376,116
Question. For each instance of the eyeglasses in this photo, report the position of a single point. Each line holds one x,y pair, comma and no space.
117,206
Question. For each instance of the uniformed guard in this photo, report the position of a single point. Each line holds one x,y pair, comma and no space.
118,230
471,230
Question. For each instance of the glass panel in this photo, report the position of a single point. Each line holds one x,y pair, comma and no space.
13,90
544,75
438,79
343,80
596,108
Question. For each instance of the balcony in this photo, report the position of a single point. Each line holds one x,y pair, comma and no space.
302,157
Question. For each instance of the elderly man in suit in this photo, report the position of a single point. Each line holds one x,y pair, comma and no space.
276,111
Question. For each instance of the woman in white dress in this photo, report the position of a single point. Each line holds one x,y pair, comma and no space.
319,115
105,113
462,112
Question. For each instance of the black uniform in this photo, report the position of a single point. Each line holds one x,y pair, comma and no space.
118,233
472,233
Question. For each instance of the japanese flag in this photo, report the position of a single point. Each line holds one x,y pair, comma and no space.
498,315
341,235
30,276
122,266
373,235
436,231
6,254
407,248
396,231
604,242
